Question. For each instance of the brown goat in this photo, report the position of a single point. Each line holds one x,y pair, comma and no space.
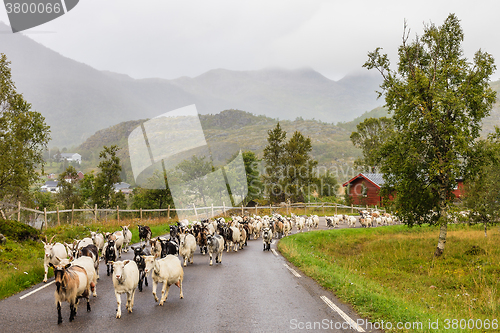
72,283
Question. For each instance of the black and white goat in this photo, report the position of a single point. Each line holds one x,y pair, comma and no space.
144,233
110,254
139,253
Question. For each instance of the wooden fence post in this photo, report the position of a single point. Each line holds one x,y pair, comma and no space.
58,221
118,213
195,212
72,213
95,214
336,208
212,210
241,210
256,212
305,208
168,212
45,216
352,209
19,211
286,208
140,213
224,208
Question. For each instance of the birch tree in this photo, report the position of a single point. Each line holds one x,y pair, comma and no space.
438,99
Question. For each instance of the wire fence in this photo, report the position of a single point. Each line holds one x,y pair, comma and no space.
44,218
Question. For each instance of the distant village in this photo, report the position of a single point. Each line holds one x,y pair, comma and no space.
52,184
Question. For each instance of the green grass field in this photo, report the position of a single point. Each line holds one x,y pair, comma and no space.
390,274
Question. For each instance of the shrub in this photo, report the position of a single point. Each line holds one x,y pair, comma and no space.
18,231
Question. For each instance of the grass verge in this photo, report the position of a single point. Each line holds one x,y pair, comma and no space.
389,274
21,262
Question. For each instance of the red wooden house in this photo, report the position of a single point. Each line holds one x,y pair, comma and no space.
364,189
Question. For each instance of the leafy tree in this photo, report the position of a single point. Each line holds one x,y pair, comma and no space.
274,155
192,172
327,184
438,99
68,194
98,189
154,196
289,168
43,200
254,183
117,199
23,138
482,193
348,200
370,136
87,185
299,167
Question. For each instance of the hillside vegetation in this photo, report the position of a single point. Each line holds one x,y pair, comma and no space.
228,132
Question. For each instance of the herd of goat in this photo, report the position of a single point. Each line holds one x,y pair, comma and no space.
76,265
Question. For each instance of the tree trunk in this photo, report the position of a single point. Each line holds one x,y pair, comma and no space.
444,221
442,239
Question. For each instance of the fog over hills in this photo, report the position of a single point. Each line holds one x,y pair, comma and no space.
78,100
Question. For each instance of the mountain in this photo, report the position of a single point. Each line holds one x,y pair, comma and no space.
78,100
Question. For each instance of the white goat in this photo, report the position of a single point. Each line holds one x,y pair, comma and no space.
301,224
235,240
125,280
351,221
87,263
315,221
127,237
167,270
98,239
52,253
187,247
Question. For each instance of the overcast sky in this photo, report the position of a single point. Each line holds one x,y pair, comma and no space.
173,38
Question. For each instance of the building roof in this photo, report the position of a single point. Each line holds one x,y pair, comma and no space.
67,155
51,183
120,186
376,178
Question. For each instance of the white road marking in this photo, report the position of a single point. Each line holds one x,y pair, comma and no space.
34,291
292,270
348,319
274,252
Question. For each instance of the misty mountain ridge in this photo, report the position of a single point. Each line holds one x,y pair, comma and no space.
78,100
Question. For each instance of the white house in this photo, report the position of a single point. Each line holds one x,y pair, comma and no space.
50,186
122,187
71,157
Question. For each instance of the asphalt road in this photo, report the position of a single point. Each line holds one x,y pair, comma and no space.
251,291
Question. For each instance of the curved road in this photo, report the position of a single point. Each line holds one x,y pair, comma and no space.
251,291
